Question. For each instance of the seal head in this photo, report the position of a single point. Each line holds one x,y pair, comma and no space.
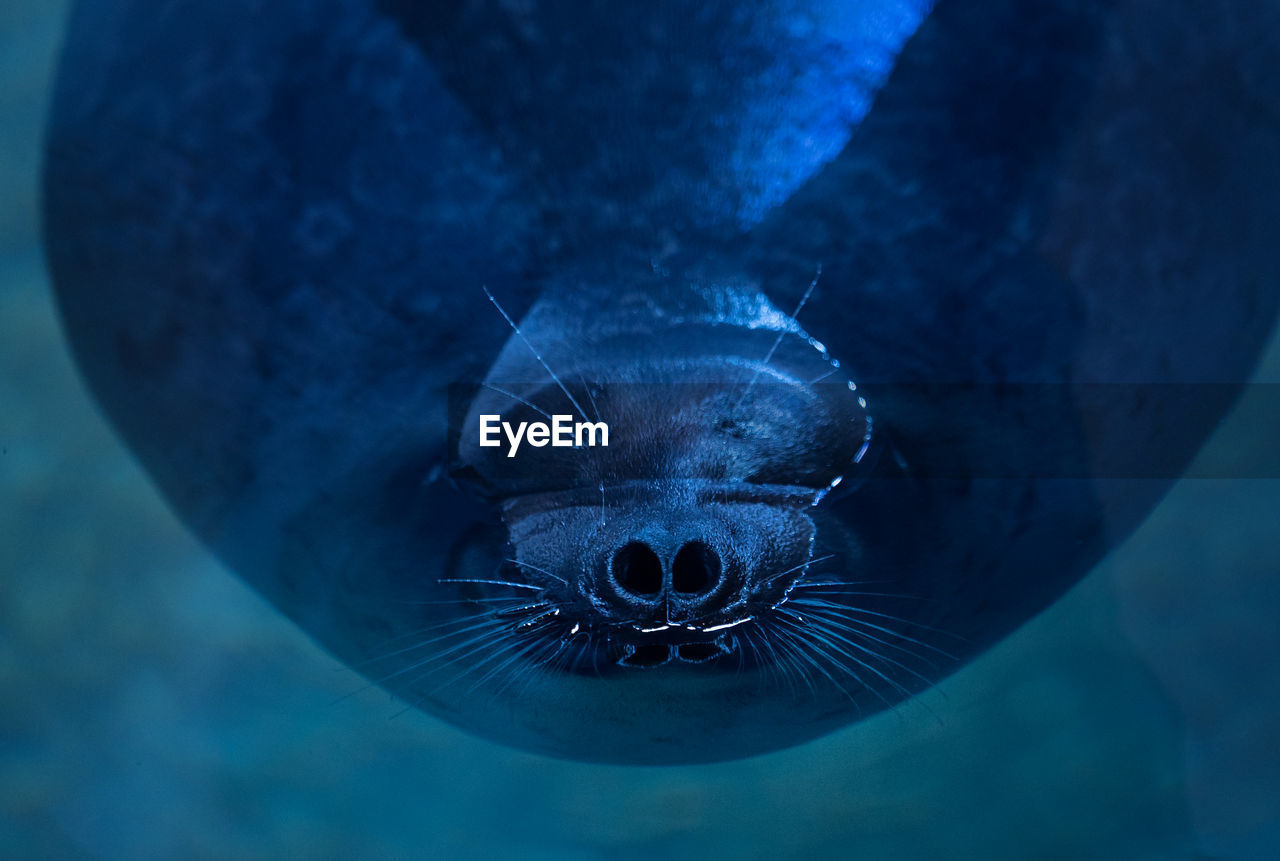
693,524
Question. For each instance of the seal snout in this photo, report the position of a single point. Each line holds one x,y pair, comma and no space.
663,573
668,589
638,576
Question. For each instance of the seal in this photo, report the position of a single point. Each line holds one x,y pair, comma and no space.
899,317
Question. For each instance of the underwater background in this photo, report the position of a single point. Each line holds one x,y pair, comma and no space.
151,705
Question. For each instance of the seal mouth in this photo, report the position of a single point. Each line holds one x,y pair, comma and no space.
573,624
649,655
601,620
656,645
635,645
557,636
653,646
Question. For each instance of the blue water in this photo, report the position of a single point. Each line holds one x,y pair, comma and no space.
152,706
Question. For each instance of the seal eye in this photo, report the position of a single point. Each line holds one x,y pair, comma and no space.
696,569
637,570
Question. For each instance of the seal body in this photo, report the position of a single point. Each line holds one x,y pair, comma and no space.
899,317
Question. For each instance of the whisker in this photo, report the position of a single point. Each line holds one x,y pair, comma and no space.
507,613
848,625
736,645
496,619
839,591
583,645
744,640
528,623
829,629
488,643
516,397
928,683
496,642
845,608
854,627
537,657
461,620
804,564
823,632
823,647
792,652
786,670
485,628
539,570
495,583
551,661
750,640
777,342
533,350
801,650
811,583
495,655
567,657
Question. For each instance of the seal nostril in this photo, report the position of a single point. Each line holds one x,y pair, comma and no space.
636,569
696,569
